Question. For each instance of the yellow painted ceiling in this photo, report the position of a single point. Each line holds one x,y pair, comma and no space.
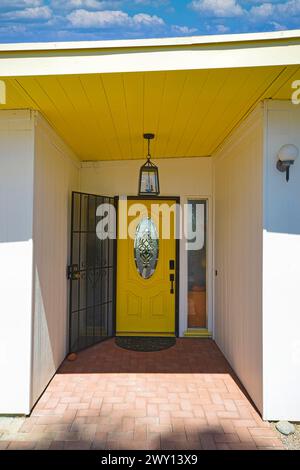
103,117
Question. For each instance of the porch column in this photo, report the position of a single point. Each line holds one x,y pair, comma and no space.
16,219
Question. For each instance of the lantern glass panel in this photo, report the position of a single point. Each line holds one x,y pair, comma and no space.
149,181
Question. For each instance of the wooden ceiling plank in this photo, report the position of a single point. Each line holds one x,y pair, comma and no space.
207,97
82,116
174,86
154,89
16,96
284,90
235,87
47,106
114,90
134,98
188,101
106,148
256,90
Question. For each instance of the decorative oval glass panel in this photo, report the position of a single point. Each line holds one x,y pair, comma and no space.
146,248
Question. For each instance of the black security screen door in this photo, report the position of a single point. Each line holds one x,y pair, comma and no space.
91,273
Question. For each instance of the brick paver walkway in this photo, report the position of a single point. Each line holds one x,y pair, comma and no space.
186,397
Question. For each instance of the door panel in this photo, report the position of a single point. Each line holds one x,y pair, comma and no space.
146,306
91,274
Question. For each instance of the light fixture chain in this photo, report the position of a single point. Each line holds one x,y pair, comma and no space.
148,156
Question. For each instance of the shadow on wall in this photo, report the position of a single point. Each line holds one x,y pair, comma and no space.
44,361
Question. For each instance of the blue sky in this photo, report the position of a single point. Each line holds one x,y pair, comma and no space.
69,20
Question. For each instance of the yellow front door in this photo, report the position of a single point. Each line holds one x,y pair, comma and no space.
145,262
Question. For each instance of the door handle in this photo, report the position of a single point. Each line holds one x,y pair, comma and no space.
73,272
172,278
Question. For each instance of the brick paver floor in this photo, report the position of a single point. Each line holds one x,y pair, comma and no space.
186,397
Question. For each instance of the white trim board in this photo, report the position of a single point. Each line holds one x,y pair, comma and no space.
216,52
152,42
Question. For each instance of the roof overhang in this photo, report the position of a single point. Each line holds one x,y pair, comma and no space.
191,92
207,52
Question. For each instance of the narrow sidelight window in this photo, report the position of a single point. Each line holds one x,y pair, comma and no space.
197,257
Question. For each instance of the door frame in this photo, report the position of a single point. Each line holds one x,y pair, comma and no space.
177,258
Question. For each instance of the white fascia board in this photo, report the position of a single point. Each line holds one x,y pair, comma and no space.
152,42
217,52
141,61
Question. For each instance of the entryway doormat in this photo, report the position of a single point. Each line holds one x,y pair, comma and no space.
144,344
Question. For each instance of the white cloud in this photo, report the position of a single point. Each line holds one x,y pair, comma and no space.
222,29
147,20
268,13
12,29
87,19
152,3
107,19
275,11
90,4
290,8
183,29
35,13
218,8
264,10
277,26
20,3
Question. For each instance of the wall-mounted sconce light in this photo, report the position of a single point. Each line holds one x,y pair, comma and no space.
286,157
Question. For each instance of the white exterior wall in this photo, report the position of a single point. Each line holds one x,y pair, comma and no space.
37,174
16,218
56,175
238,252
184,177
281,272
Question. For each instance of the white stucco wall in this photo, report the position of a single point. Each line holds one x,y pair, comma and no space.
16,219
184,177
238,252
281,267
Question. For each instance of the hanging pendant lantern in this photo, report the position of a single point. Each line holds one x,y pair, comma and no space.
149,181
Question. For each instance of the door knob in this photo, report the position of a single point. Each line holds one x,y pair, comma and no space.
73,272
